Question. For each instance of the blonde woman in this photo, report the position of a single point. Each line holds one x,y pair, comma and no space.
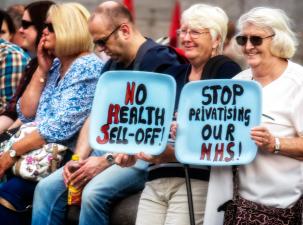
58,98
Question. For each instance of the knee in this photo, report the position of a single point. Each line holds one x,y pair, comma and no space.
42,191
48,188
95,196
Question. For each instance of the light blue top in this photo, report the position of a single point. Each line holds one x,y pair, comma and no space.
66,103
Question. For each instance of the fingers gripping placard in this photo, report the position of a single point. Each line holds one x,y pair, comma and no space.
214,122
132,112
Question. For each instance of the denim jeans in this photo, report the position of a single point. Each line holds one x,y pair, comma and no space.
50,197
19,193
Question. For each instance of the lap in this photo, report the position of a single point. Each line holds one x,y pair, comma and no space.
116,179
164,201
18,192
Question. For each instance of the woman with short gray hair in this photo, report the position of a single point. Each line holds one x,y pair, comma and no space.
274,178
164,198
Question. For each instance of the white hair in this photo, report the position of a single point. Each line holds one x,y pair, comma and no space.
201,16
284,43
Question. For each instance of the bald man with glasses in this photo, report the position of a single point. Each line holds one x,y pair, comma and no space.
114,33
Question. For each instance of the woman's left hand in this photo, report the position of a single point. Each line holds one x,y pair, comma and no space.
263,139
6,162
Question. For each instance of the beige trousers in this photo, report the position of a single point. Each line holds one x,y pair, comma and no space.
164,202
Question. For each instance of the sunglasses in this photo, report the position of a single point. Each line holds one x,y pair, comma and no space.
102,41
254,40
26,24
49,27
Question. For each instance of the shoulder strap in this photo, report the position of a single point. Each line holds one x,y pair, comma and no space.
213,65
148,44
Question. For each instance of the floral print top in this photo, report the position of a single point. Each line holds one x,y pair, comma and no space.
66,103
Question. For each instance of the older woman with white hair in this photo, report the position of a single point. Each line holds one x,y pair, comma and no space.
275,178
164,199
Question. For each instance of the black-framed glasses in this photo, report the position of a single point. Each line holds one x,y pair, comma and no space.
102,41
26,24
49,27
254,40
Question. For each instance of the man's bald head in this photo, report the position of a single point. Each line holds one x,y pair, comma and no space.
113,12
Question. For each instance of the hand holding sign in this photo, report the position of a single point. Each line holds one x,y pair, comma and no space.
214,122
132,112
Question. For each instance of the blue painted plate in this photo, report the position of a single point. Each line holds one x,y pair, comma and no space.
214,122
132,112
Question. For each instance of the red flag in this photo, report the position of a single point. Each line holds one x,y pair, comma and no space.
175,24
129,4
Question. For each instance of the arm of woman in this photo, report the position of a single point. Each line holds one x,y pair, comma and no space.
290,146
30,142
5,123
30,99
16,124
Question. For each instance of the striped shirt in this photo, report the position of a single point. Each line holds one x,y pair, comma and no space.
13,61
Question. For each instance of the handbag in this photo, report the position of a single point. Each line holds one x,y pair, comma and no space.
8,134
38,163
240,211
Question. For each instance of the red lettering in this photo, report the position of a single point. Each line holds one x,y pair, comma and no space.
113,111
230,152
205,151
104,130
219,152
130,92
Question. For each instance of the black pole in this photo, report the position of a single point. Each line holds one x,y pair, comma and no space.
189,196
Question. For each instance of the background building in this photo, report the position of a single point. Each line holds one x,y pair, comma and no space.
153,16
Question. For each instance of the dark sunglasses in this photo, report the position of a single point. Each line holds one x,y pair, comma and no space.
49,27
26,24
102,41
254,40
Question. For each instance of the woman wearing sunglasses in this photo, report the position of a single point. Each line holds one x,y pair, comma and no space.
58,99
31,28
32,25
274,178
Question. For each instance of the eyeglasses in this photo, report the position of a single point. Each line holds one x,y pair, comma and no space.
102,41
254,40
26,24
49,27
192,33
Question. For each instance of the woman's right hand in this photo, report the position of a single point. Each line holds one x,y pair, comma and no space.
45,58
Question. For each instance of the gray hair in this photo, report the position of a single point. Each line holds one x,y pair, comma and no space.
207,16
284,43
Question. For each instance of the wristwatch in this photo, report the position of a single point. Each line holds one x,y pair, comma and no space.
12,153
109,158
277,147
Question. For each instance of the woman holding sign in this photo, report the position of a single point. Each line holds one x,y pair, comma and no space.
164,199
274,178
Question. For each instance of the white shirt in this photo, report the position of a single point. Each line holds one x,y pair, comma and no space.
277,180
273,180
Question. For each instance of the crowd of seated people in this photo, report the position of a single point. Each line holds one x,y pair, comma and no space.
50,66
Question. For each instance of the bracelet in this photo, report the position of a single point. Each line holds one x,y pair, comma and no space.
277,146
42,80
